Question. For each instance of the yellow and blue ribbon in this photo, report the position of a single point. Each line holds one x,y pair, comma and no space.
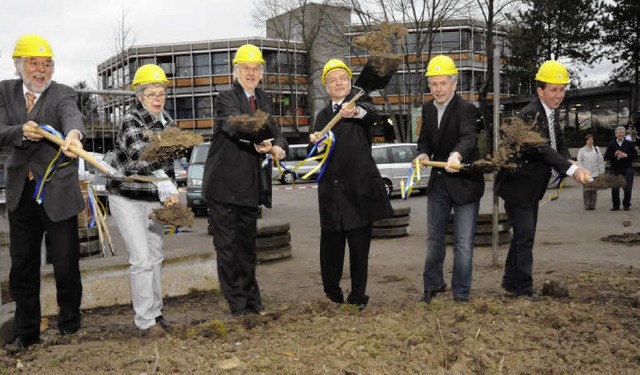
412,179
559,184
323,159
56,162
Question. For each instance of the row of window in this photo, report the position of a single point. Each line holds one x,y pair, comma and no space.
205,64
202,107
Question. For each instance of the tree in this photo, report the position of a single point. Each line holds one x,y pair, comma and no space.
620,42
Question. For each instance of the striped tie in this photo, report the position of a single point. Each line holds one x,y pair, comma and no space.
552,139
31,100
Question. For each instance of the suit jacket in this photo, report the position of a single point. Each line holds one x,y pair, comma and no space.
620,165
526,185
351,193
56,107
232,171
457,132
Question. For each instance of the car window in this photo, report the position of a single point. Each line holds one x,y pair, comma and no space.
297,153
199,154
402,154
380,155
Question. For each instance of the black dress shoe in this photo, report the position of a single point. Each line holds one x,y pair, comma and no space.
428,296
615,209
257,309
163,323
238,313
626,208
19,344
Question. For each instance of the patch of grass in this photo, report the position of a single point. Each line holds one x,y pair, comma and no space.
59,360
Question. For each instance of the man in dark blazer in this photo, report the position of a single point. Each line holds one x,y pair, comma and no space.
620,153
448,133
24,103
235,183
351,193
524,187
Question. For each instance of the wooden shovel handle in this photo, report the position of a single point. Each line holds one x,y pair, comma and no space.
440,164
76,150
338,116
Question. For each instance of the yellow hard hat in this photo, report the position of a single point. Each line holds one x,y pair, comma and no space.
32,45
149,73
441,66
334,64
553,72
248,53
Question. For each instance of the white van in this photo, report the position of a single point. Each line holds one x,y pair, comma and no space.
393,161
296,154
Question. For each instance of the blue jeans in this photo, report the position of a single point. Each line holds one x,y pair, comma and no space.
439,205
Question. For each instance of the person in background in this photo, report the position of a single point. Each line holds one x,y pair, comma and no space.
523,188
32,99
351,193
131,202
592,160
620,153
449,134
235,182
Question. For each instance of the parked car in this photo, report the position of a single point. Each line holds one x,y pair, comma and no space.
195,172
394,161
296,154
180,169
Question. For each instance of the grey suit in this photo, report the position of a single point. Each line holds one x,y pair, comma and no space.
57,215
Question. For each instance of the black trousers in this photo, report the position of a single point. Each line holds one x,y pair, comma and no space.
234,238
518,268
332,248
27,225
615,192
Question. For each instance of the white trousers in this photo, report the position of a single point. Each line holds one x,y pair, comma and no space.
143,238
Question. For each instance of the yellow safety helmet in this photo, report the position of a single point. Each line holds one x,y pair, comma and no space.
248,53
32,45
441,66
332,65
149,73
553,72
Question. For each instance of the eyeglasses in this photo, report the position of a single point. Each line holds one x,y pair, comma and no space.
333,81
245,69
154,96
36,64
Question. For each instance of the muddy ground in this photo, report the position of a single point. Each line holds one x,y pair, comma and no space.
594,330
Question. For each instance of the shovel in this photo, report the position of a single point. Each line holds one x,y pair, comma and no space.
100,165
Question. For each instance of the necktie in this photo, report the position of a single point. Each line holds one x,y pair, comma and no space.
552,139
336,107
31,100
252,101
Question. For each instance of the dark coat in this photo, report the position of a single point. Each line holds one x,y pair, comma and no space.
351,193
457,132
232,171
620,165
57,107
526,185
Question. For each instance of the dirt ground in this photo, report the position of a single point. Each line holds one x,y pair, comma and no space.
594,330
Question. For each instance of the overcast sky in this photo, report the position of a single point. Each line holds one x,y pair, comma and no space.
82,32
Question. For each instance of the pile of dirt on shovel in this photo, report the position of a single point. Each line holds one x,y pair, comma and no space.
379,45
174,214
170,144
249,124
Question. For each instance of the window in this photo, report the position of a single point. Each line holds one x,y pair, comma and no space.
184,108
380,155
402,154
166,63
170,108
447,41
203,107
220,63
201,65
183,66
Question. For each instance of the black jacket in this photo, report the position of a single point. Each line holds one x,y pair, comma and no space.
351,193
620,165
457,132
526,185
56,107
232,171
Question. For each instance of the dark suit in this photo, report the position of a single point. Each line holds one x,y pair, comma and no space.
235,185
621,167
351,196
522,190
446,191
57,215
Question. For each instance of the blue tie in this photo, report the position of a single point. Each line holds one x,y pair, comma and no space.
336,107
